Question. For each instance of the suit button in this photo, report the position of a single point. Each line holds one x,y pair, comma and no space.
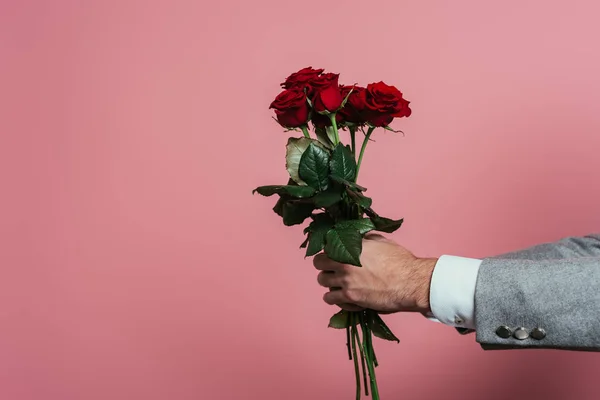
538,333
504,332
521,334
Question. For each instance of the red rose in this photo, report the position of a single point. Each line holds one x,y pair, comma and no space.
291,108
353,110
302,78
324,80
383,103
326,93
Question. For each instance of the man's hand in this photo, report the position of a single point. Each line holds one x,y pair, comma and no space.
391,279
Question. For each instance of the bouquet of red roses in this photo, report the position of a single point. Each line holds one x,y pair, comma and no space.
323,185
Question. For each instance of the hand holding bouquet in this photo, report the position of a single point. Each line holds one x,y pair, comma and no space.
323,185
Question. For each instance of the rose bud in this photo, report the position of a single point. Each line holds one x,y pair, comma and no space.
353,110
327,96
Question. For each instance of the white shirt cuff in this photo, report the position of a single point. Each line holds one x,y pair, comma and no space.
452,291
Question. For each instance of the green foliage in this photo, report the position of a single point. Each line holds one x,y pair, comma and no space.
380,329
359,198
341,320
343,164
328,198
317,231
293,153
304,244
383,224
294,191
323,137
314,167
362,225
344,245
295,213
347,183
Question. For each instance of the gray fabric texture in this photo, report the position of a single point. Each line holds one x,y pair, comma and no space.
553,286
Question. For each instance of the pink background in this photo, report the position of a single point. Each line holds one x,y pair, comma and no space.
134,262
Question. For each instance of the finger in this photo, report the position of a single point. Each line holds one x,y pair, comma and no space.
350,307
324,263
335,297
376,236
329,279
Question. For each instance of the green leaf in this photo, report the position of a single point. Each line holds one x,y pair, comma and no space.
319,220
317,231
279,206
314,167
294,213
362,225
340,320
330,133
328,197
387,128
304,244
386,225
342,163
344,245
294,191
307,98
293,152
316,243
346,98
347,183
323,138
381,330
360,199
383,224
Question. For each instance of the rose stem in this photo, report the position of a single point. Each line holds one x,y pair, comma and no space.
370,320
362,150
373,356
367,343
354,340
335,129
364,369
348,341
305,131
353,138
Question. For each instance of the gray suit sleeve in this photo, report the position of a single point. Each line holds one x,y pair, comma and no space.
547,296
570,247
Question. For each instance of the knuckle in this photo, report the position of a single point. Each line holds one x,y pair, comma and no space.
351,295
346,269
344,280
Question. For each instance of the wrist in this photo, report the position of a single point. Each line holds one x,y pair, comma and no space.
424,270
